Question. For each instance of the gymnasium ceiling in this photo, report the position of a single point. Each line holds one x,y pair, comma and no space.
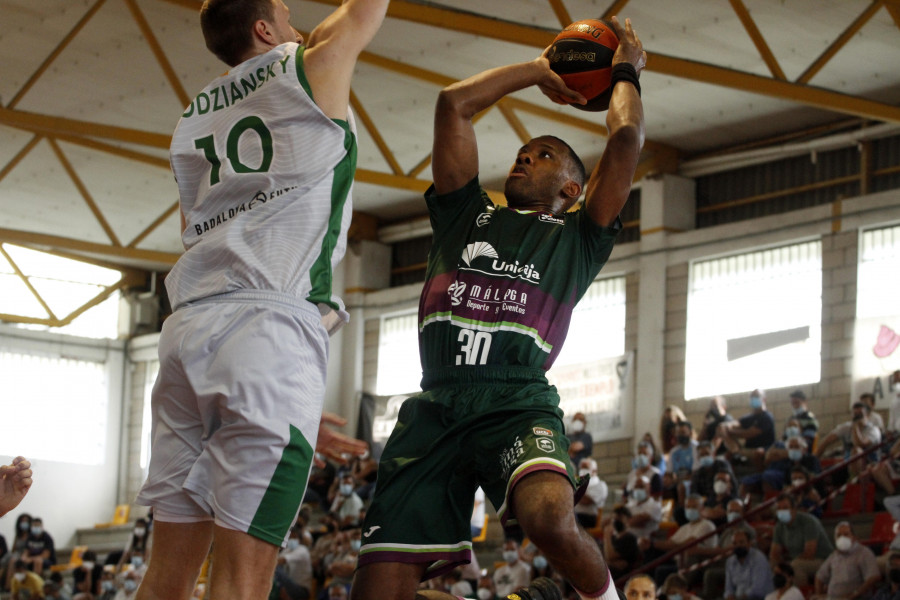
91,91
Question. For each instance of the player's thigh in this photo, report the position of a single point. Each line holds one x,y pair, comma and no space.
386,581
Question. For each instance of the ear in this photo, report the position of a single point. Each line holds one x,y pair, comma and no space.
262,32
571,190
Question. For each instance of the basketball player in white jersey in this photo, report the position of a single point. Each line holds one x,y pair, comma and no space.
264,158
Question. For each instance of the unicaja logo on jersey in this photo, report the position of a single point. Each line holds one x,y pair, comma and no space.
456,290
476,249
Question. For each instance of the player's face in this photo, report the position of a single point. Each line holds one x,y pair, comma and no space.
537,175
640,588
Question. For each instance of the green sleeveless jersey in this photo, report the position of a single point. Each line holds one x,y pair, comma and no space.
501,284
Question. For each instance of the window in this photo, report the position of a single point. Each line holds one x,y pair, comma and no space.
43,291
597,329
151,369
54,408
879,264
399,368
754,321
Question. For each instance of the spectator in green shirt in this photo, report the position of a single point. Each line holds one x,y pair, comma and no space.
800,539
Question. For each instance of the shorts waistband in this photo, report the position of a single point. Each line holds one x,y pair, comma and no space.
462,375
281,299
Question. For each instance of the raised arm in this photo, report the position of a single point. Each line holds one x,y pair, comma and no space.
333,48
610,182
455,154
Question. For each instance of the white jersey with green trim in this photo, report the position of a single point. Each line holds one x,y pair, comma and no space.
264,179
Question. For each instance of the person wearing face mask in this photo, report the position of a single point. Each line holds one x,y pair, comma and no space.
87,577
808,496
715,416
676,587
581,442
512,575
347,504
620,546
539,567
130,583
682,462
756,429
890,589
714,574
715,508
646,511
778,466
27,582
40,553
139,542
807,423
709,466
643,467
695,528
869,399
799,538
748,575
783,580
857,436
594,497
850,573
485,590
668,424
294,569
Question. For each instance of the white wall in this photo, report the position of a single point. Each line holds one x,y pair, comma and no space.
69,496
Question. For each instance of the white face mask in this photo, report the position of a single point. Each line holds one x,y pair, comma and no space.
896,387
798,482
139,531
87,565
577,426
720,486
484,594
843,543
19,577
584,472
510,556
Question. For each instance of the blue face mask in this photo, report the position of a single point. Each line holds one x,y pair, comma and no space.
674,596
784,515
639,494
790,432
706,461
733,516
795,454
539,562
642,460
692,514
755,402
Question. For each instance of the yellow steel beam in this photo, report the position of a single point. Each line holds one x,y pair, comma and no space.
85,194
766,86
27,283
158,52
614,10
514,122
59,126
41,241
56,52
19,156
839,43
106,293
758,40
376,135
421,166
561,13
893,8
152,226
155,161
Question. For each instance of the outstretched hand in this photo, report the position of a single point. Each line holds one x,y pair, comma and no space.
334,444
15,481
552,85
630,49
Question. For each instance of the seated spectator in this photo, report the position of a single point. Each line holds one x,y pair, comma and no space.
646,511
620,546
703,480
715,416
779,463
343,563
890,589
869,399
514,574
54,591
321,479
25,584
695,528
640,587
581,443
594,497
40,553
643,468
485,590
748,575
807,423
850,572
799,538
856,435
683,457
657,458
714,574
809,497
676,587
672,415
784,584
756,429
130,583
293,572
347,504
17,549
87,577
108,588
540,567
456,585
336,591
885,472
715,508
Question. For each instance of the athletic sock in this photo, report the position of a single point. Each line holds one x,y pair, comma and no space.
607,592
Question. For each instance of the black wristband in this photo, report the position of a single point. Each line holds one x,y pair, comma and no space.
625,71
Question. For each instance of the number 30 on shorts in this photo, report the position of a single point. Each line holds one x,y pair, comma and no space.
208,145
475,347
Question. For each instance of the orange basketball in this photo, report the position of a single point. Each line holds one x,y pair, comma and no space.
582,55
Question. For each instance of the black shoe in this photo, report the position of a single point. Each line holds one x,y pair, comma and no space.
541,588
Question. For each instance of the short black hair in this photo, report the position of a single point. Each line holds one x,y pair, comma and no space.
227,26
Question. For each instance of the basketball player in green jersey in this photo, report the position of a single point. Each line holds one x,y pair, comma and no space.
500,287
